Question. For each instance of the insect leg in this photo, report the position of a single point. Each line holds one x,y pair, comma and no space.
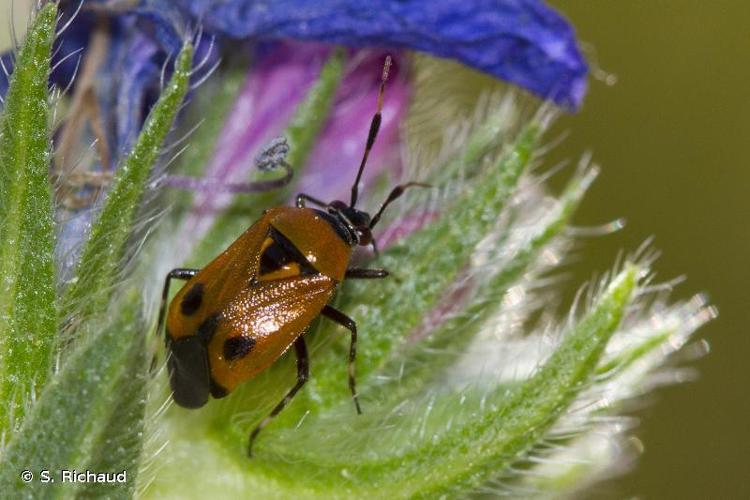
303,373
348,323
365,274
302,198
180,274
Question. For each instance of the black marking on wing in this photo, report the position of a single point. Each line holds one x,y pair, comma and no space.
188,371
192,300
238,347
281,253
207,329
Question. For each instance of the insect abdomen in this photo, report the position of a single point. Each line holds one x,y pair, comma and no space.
188,371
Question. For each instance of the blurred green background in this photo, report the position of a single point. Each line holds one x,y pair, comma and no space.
670,135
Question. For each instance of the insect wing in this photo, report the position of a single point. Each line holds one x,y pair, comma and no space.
262,323
192,316
216,285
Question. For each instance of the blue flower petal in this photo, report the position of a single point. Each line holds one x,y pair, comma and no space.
137,70
6,68
521,41
67,52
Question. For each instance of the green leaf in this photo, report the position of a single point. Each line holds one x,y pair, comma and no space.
480,441
102,258
529,412
423,363
491,134
28,308
89,416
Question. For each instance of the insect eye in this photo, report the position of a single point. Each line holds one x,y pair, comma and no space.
365,235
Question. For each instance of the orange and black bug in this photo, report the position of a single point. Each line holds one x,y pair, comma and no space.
240,313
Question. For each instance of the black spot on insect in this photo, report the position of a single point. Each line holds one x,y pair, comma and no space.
217,391
281,253
188,371
238,347
207,329
192,300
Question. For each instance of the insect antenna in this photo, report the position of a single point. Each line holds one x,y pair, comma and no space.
374,127
395,194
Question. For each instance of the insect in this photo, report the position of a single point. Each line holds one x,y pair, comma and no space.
240,313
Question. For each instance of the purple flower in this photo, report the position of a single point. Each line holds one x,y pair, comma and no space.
521,41
332,164
274,88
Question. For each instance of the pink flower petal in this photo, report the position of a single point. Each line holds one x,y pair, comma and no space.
274,88
333,163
